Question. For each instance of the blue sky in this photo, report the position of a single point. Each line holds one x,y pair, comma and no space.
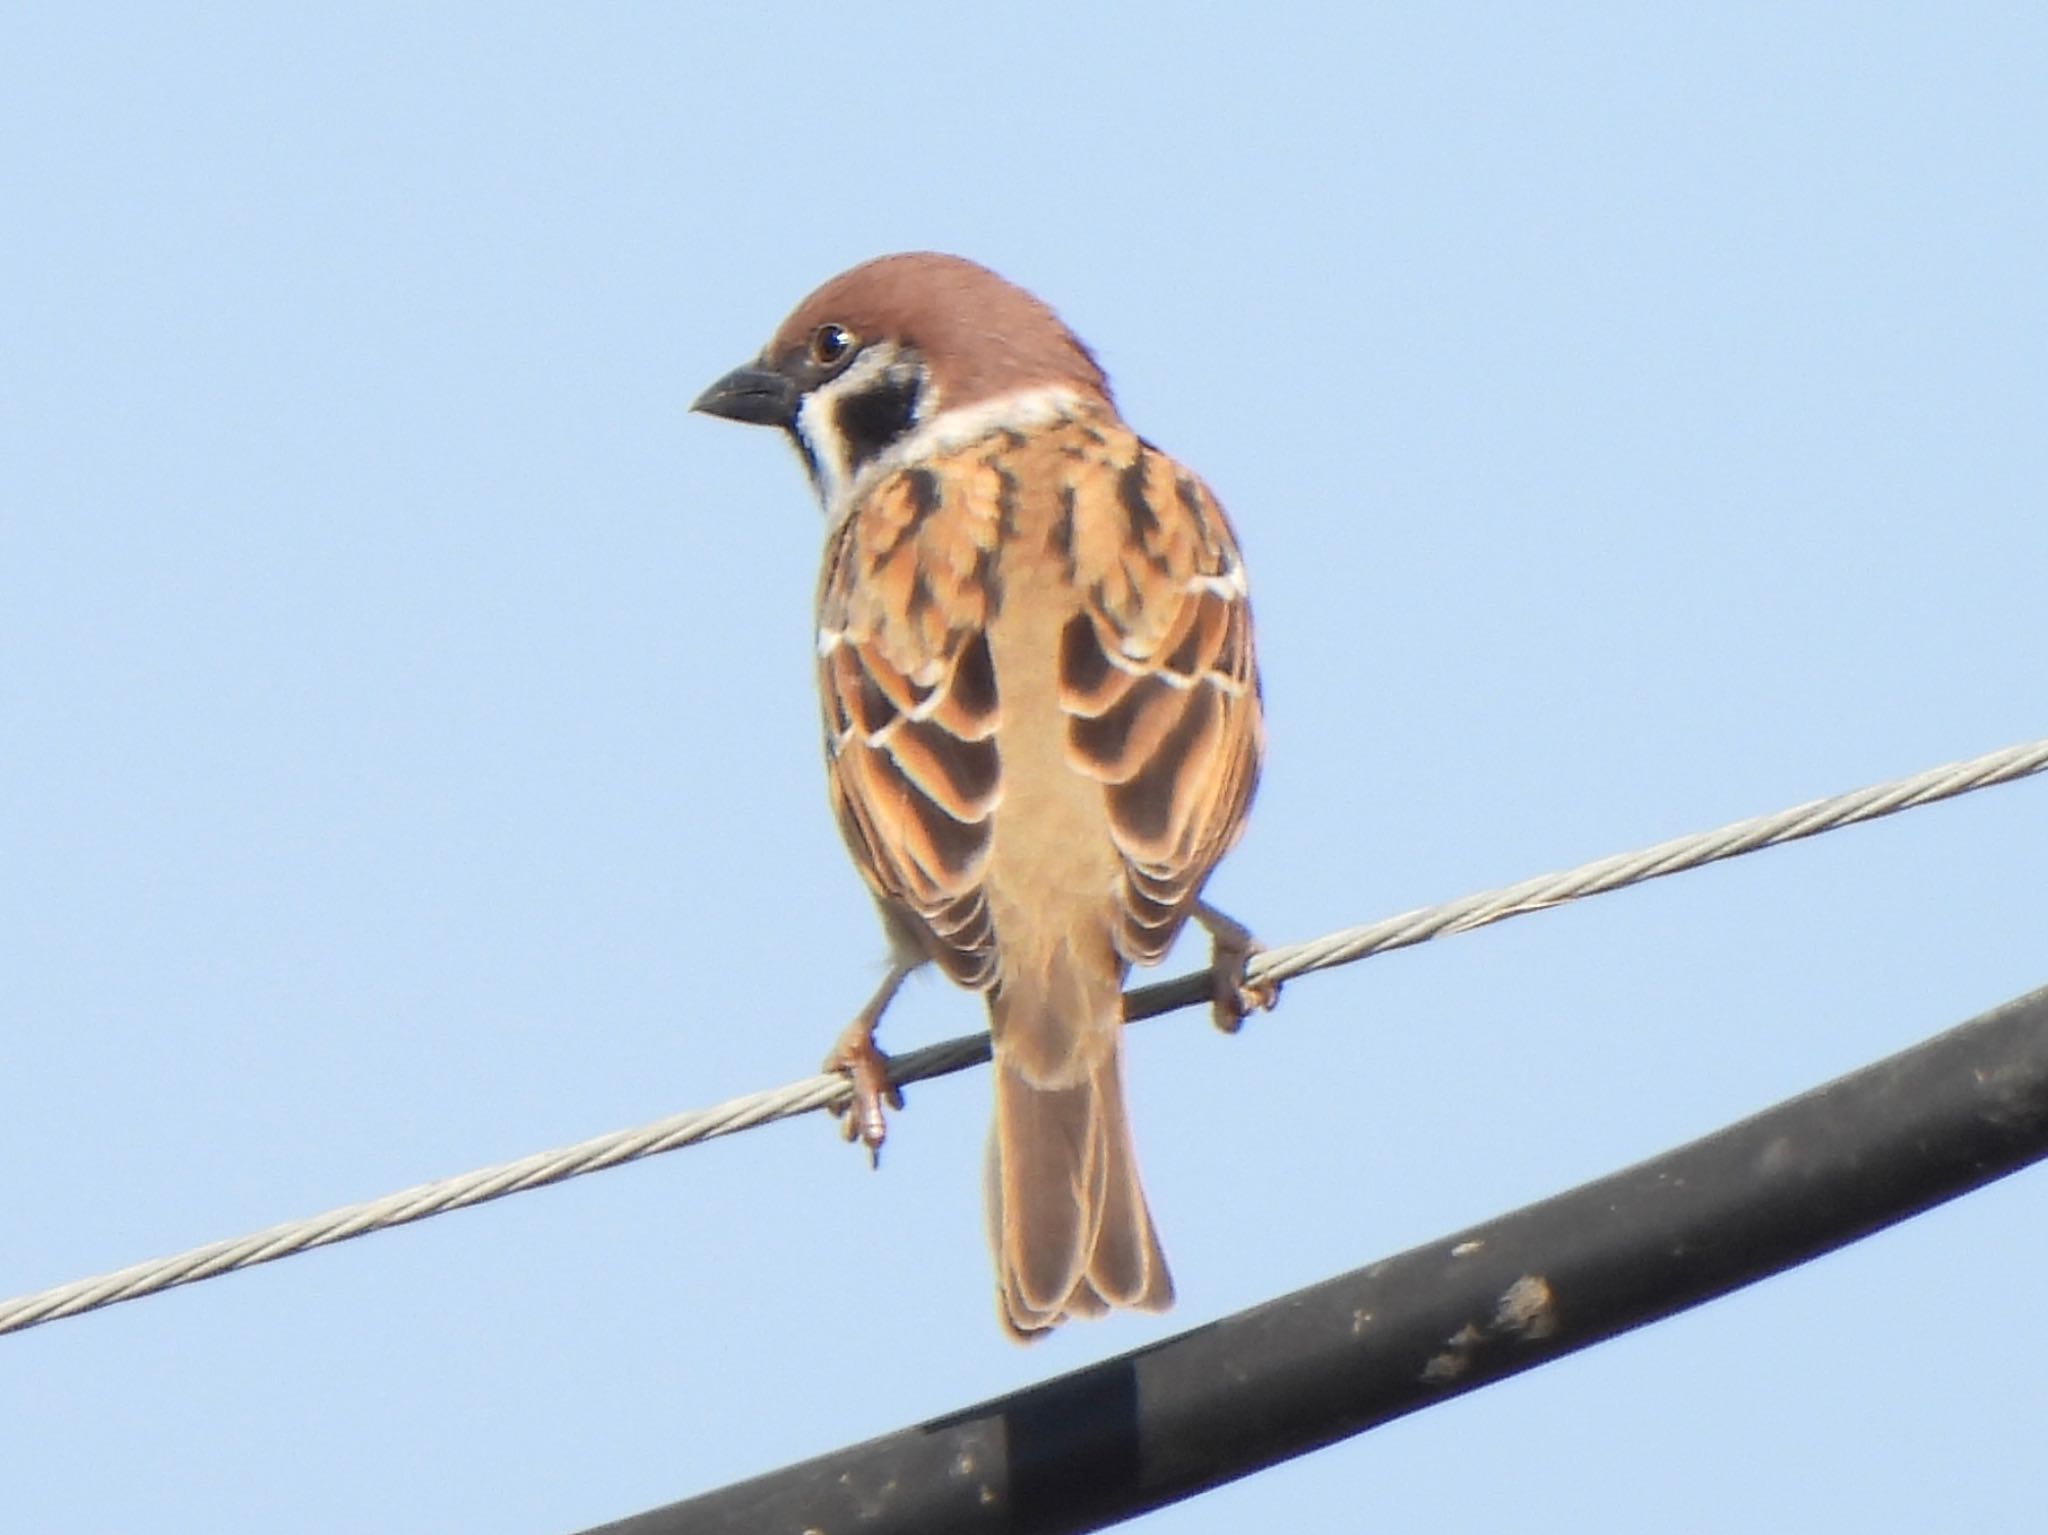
1633,418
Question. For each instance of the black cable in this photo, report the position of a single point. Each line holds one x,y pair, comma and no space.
1239,1394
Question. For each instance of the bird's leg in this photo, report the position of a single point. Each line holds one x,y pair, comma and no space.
856,1054
1231,947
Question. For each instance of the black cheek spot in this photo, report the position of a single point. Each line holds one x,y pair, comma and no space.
871,421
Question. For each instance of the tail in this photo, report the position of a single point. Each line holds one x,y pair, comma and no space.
1067,1216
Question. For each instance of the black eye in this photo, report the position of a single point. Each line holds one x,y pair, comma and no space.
831,345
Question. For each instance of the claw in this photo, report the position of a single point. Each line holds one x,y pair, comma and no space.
856,1054
1233,997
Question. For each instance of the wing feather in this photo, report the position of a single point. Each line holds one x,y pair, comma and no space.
911,705
1158,678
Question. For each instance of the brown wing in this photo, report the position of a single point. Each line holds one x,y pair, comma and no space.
911,708
1158,676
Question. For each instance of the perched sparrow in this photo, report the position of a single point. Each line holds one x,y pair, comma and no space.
1042,720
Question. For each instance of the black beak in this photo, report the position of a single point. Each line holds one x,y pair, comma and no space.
753,394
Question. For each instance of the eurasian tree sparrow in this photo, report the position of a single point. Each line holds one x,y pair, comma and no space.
1042,720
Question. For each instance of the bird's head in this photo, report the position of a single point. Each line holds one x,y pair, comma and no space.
903,350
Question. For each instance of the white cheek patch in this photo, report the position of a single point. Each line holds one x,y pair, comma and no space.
817,422
824,448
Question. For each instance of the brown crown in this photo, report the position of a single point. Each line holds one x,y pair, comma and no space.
980,335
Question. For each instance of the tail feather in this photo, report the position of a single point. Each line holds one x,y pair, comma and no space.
1072,1234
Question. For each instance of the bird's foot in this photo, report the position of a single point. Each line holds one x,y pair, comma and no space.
1233,995
855,1055
862,1062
